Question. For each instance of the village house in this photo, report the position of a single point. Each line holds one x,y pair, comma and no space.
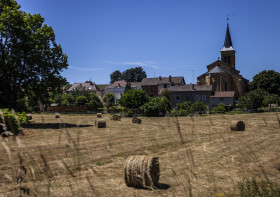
118,88
190,92
91,87
152,86
226,98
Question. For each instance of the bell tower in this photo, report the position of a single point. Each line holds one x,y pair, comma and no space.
227,52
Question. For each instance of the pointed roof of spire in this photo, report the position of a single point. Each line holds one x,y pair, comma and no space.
227,43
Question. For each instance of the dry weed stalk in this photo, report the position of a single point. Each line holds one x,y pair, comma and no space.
179,130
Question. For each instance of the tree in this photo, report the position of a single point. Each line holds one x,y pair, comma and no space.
134,74
133,99
31,60
198,107
268,80
271,99
156,106
166,93
109,99
94,102
66,99
130,75
115,76
252,100
82,99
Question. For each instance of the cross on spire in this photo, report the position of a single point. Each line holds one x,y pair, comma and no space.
227,18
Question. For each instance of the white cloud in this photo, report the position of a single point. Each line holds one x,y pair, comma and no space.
84,68
150,64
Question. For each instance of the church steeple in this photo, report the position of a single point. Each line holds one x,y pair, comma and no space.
227,52
228,43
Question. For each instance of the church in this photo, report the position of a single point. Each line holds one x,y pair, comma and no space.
222,74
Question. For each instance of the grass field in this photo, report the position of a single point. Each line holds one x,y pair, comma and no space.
198,156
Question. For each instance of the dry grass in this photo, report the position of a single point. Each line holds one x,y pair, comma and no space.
198,156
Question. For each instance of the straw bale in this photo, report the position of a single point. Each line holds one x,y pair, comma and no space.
116,117
101,124
57,115
99,115
141,171
136,120
237,125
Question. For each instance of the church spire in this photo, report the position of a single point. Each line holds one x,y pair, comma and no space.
227,42
227,52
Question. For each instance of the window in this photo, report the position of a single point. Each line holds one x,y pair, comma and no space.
165,85
178,98
225,86
197,97
229,59
203,97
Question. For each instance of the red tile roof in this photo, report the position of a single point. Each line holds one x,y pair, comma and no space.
229,94
121,83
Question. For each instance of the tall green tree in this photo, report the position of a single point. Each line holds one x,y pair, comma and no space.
130,75
115,76
134,74
268,80
30,58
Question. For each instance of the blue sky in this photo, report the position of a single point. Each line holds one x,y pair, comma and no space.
165,37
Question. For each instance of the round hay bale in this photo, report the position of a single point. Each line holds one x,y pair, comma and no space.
29,116
237,125
136,120
57,115
101,124
99,115
141,171
116,117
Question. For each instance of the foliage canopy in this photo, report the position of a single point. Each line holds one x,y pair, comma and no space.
268,80
31,60
133,99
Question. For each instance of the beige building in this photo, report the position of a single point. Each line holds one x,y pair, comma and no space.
222,74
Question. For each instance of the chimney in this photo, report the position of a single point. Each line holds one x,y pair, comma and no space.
159,78
169,78
192,86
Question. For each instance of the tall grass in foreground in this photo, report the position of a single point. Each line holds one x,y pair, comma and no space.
32,172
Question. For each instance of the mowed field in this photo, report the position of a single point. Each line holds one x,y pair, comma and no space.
198,156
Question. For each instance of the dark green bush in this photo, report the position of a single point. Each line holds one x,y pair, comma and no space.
22,117
116,109
198,107
219,109
10,121
129,113
156,107
82,99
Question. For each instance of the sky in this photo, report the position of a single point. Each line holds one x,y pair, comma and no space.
165,37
